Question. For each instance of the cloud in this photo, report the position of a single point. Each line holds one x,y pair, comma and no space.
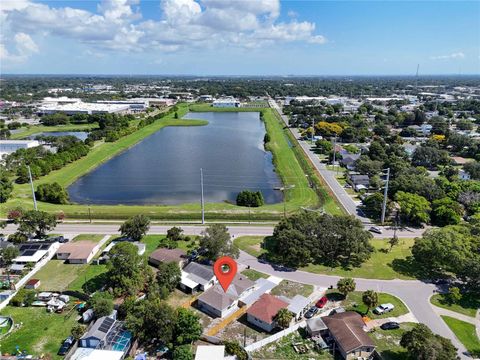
117,25
23,46
456,55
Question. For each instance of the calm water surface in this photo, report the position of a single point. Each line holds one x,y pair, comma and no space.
165,167
81,135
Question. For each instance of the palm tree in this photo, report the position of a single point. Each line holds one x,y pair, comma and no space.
283,318
370,299
345,286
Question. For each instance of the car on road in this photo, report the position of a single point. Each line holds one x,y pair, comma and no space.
375,229
311,312
391,325
66,345
321,302
383,308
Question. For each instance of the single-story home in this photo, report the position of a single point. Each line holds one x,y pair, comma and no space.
32,284
33,252
210,352
96,354
347,330
359,182
217,302
197,277
263,312
164,255
97,333
77,252
348,160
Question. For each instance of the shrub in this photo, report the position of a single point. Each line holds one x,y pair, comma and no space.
250,198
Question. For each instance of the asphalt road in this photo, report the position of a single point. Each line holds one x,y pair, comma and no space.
236,230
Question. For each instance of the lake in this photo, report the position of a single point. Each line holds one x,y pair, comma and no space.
164,168
81,135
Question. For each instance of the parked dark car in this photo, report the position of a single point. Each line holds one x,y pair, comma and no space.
60,239
66,345
311,312
392,325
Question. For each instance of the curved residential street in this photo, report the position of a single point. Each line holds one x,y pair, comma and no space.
415,294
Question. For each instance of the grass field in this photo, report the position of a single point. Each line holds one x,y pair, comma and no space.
466,333
382,264
35,129
254,274
152,242
468,305
288,166
388,342
40,332
290,289
354,302
90,237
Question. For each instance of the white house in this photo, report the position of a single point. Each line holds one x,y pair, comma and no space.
10,146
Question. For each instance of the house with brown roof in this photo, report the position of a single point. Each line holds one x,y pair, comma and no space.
32,284
263,312
347,331
164,255
77,252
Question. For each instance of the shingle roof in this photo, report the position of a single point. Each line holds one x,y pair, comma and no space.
201,271
266,308
217,298
347,329
239,284
168,255
78,249
100,329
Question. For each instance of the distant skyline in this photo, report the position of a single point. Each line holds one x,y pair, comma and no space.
220,37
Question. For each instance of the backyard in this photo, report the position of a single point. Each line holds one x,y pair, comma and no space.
38,332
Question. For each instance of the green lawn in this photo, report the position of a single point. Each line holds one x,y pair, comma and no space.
289,289
90,237
381,265
388,342
89,279
254,274
35,129
287,160
468,305
283,349
152,242
250,244
354,302
40,332
56,275
465,332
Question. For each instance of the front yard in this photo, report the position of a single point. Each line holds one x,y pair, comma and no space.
254,274
354,302
388,342
250,244
38,333
289,289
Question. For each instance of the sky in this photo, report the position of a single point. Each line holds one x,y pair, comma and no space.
248,37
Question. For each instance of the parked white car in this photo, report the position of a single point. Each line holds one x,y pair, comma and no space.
383,308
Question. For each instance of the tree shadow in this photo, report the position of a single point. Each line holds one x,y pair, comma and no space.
95,283
408,267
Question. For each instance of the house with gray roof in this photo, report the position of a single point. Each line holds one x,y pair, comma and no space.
216,302
197,277
97,333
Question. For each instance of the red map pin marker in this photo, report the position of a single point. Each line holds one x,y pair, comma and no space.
225,269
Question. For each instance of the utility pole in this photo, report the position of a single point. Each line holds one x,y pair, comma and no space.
33,190
284,190
202,200
384,207
313,129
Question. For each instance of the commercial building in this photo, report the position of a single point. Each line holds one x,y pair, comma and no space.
224,103
82,108
10,146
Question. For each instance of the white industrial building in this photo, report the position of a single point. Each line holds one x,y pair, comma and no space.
223,103
83,108
10,146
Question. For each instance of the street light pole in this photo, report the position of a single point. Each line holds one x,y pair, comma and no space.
33,190
334,152
385,192
202,199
